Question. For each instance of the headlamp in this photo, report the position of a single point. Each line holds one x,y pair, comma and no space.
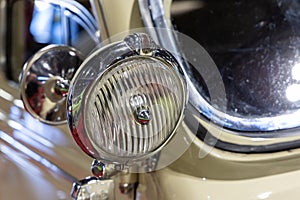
126,101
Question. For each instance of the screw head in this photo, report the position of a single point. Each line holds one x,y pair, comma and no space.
143,116
97,168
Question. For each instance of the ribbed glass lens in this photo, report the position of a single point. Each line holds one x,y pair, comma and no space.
134,107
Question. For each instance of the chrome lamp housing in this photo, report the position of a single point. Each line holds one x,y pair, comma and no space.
126,102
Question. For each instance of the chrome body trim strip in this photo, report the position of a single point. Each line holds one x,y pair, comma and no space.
98,10
84,17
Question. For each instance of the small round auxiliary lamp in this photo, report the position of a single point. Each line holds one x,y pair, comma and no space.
126,102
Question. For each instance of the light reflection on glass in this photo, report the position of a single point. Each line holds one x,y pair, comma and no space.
44,78
293,92
46,66
296,72
72,53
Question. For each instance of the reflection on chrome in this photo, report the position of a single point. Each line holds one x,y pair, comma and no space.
45,82
70,9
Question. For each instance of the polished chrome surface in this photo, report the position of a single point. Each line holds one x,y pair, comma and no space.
77,11
103,171
128,183
94,189
45,82
141,111
98,168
